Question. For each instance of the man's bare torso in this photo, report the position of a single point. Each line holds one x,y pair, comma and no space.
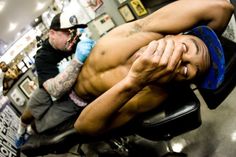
111,59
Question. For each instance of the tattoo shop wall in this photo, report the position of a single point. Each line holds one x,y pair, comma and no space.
21,91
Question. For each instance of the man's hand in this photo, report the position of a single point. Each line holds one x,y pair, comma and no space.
159,59
83,49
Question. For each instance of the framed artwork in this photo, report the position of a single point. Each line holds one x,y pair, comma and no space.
76,7
126,13
103,23
17,97
26,87
138,7
121,1
94,4
91,7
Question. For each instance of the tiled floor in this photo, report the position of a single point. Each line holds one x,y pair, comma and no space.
216,137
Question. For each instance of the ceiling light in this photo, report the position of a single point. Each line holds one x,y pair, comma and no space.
36,20
12,26
2,5
40,6
233,136
18,34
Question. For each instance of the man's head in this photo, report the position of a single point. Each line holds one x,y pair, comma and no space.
203,60
215,74
63,30
3,66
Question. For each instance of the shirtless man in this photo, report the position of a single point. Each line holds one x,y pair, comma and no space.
124,71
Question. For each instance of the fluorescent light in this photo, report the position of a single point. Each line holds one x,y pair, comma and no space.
12,26
2,5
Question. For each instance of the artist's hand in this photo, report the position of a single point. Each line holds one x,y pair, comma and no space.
83,49
159,60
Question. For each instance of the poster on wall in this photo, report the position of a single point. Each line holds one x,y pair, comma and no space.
126,13
26,87
76,7
91,6
17,97
94,4
103,24
8,127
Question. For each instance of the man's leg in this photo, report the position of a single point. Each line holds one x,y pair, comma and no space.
25,120
58,113
36,107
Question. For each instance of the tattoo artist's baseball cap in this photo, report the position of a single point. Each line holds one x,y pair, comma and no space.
215,76
66,20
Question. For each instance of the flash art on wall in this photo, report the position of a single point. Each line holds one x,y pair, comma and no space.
126,13
103,23
138,7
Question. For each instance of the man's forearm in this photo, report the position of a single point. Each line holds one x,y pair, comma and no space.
94,118
64,81
169,19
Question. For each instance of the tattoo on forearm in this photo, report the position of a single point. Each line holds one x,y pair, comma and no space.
64,81
135,29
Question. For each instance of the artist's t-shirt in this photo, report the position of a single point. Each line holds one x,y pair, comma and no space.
47,60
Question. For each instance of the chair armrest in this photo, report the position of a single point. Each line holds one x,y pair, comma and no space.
181,113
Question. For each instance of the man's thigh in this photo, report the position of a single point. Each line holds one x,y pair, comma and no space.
59,112
39,103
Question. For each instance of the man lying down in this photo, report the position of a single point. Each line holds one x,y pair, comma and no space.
128,67
126,72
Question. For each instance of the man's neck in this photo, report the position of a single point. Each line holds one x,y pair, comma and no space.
51,43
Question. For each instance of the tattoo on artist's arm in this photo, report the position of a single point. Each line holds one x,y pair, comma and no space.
64,81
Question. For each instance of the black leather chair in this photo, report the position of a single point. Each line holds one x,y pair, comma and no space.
179,114
182,110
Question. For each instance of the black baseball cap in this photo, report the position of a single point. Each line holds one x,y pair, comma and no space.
66,20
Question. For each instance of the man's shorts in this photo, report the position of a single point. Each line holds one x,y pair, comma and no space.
39,103
48,113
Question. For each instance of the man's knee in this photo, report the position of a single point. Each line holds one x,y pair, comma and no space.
27,116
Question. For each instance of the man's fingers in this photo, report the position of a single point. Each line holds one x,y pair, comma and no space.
152,46
161,47
176,56
168,51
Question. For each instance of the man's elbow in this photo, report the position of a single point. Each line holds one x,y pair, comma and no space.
226,7
221,16
228,10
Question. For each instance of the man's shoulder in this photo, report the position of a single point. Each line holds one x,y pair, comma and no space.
45,52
